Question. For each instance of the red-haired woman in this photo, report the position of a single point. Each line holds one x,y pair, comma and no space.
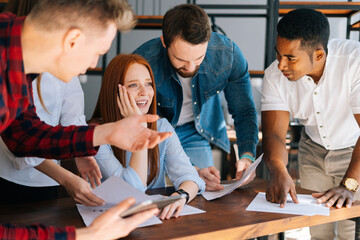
128,89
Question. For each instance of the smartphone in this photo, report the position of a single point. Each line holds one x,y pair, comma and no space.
152,203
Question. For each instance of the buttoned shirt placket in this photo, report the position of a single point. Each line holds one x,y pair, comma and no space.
321,126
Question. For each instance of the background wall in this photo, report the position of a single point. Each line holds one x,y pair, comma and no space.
247,33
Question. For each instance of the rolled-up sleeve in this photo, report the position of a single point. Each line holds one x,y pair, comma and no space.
270,98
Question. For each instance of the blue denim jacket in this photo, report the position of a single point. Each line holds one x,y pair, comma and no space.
224,69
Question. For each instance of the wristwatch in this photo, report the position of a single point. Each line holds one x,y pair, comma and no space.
351,184
182,191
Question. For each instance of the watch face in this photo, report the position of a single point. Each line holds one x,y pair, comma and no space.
351,184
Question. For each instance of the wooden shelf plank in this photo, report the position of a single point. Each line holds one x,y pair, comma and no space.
256,73
327,8
149,22
312,3
94,71
356,25
333,12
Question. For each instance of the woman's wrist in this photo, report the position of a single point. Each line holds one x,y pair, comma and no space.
183,192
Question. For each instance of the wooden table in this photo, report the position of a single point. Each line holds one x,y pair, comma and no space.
225,218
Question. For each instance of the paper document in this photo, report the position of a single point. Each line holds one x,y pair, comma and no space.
307,206
88,214
187,210
228,188
113,191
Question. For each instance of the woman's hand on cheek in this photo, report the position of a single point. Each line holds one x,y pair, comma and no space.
127,103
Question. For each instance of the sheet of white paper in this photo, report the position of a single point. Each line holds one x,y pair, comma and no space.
88,214
113,191
187,210
307,206
228,188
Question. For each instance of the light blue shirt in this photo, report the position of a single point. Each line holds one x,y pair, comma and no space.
173,161
65,105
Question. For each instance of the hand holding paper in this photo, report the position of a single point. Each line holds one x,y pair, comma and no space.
241,165
228,188
211,177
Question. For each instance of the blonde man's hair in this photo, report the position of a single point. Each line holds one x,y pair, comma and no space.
67,14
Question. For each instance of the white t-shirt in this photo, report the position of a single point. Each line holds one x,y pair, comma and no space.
186,113
326,109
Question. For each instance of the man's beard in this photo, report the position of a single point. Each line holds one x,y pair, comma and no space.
184,74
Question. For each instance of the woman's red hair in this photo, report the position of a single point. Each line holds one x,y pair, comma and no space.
107,109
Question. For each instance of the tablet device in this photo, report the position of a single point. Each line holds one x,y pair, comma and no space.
152,203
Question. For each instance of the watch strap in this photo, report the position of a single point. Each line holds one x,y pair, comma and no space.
182,191
348,186
248,156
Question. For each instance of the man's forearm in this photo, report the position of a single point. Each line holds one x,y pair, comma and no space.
101,133
275,153
353,170
29,136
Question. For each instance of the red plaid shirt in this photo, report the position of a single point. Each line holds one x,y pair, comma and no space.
25,134
36,232
14,85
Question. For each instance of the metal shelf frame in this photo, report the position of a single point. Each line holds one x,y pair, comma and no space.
330,9
271,15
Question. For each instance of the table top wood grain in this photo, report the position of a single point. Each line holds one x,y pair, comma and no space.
225,218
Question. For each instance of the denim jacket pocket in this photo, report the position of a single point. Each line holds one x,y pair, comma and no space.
214,91
165,106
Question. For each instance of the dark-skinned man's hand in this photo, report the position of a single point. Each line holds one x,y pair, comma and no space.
337,197
279,186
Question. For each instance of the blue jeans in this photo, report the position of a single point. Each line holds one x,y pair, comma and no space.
195,146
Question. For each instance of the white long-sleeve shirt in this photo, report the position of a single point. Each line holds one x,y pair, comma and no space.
65,104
